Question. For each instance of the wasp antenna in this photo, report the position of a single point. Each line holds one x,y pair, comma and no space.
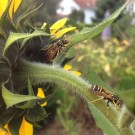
96,100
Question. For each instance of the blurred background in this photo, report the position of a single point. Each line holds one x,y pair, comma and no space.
111,54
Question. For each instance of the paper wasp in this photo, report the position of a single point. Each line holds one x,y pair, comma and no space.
53,50
107,95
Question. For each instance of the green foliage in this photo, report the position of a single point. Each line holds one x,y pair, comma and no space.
65,107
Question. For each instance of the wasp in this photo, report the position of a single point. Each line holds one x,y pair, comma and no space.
53,50
107,95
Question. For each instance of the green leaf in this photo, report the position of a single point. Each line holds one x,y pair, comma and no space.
34,116
14,125
103,122
13,37
30,103
11,99
92,32
93,78
88,33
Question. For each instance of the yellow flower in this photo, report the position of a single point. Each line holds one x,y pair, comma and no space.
56,26
2,132
13,7
68,67
3,5
41,95
25,129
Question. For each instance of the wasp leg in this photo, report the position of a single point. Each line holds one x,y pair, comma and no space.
96,100
108,104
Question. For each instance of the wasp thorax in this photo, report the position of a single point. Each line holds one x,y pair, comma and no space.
62,42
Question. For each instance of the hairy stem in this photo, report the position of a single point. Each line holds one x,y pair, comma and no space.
42,73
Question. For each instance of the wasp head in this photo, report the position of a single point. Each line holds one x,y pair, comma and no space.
117,100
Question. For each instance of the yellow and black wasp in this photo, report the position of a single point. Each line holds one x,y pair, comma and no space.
107,95
53,50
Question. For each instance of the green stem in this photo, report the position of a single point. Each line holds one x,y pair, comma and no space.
53,74
42,73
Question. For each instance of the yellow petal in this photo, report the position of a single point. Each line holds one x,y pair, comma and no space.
76,73
26,128
41,95
56,26
67,67
63,31
17,4
14,6
2,132
3,5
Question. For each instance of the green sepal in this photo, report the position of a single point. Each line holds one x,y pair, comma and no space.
11,99
13,37
35,114
14,125
66,60
6,117
28,104
23,17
